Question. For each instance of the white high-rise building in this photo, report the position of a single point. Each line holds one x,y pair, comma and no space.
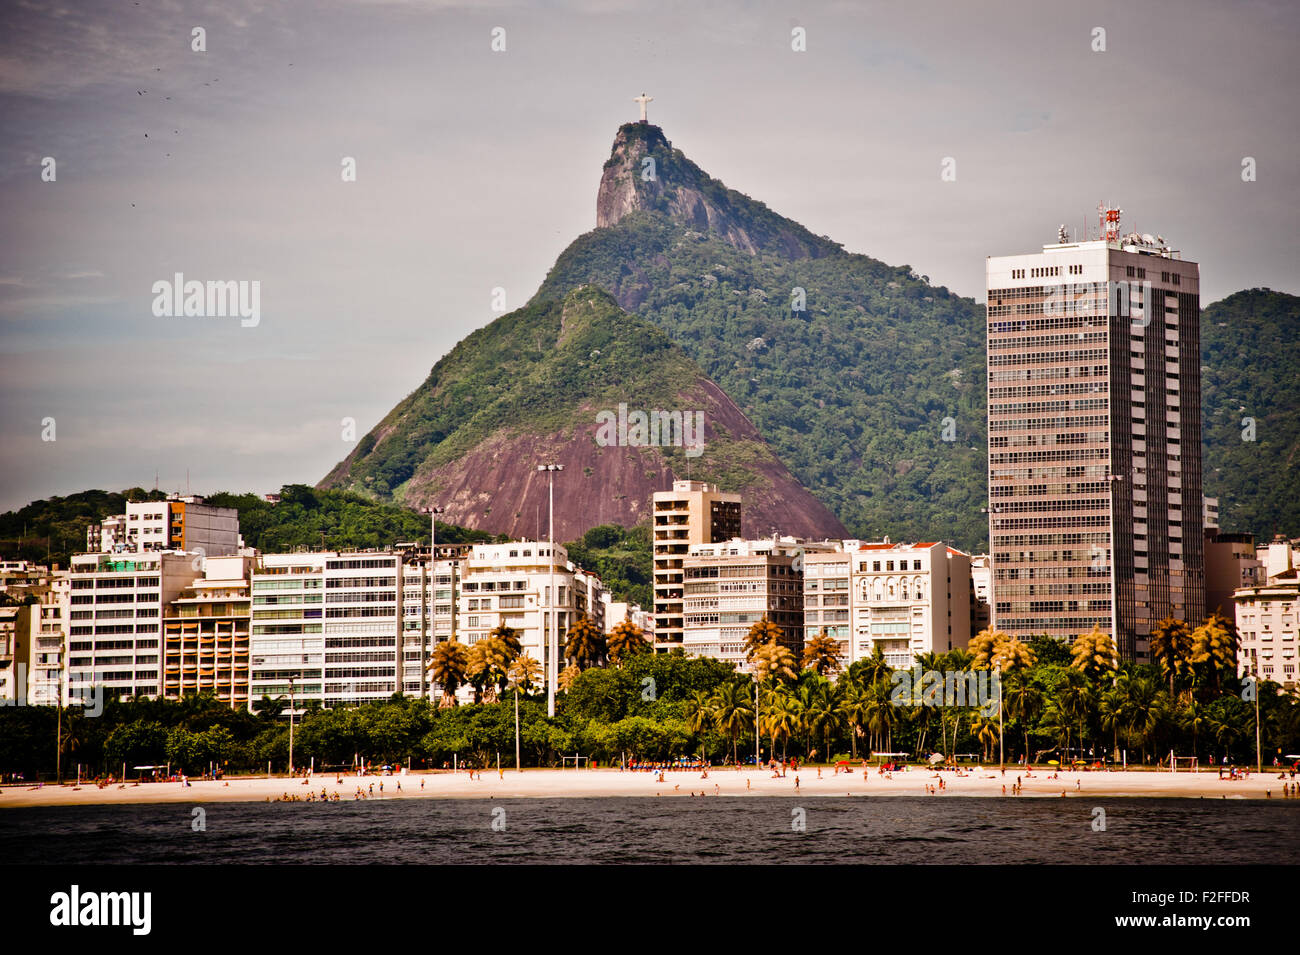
1094,417
115,608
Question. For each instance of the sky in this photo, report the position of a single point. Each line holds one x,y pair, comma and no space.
476,167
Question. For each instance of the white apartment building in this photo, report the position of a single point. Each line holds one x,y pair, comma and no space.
616,611
179,523
1266,616
115,610
907,599
511,584
13,652
49,641
731,585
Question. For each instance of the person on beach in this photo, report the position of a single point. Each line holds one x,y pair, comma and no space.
796,784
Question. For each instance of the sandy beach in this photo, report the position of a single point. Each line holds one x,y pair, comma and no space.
588,783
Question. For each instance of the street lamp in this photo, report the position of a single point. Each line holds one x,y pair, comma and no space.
553,641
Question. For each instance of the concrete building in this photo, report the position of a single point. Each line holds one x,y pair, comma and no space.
511,584
206,634
693,512
334,621
178,523
1230,564
1096,504
732,585
909,599
1278,555
115,618
1211,513
616,611
1266,623
15,647
46,675
981,578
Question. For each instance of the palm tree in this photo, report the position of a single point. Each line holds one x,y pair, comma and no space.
855,709
760,635
568,676
478,670
1171,649
625,640
985,730
773,662
1075,699
510,637
822,654
1024,703
447,665
1214,647
870,669
983,645
825,715
584,644
524,672
498,654
733,711
699,713
1094,654
781,716
1114,710
882,715
1011,654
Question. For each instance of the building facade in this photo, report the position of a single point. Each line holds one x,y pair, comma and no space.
693,512
206,634
1266,618
732,585
178,523
1094,416
115,607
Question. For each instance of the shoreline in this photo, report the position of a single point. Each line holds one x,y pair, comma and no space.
601,783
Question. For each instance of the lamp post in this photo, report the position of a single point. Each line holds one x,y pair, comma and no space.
1259,755
552,636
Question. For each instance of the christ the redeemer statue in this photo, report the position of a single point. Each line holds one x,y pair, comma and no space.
643,100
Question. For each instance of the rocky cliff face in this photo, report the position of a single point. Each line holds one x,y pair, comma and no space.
529,389
645,173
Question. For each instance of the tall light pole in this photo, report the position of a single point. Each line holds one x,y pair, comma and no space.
553,637
1259,754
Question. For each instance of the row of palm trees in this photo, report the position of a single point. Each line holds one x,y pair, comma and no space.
497,663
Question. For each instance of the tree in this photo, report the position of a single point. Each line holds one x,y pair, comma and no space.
1214,648
822,654
733,711
584,644
760,635
1171,649
1024,703
1011,654
825,714
568,676
773,662
448,665
626,640
780,716
1094,654
985,730
524,673
478,669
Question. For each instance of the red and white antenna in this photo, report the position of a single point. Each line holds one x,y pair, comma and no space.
1108,219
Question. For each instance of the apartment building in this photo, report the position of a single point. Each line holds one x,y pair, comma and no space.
512,584
909,599
1231,563
178,523
616,611
731,585
206,634
49,640
1094,416
115,608
693,512
14,651
1266,618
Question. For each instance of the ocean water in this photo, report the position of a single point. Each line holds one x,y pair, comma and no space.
656,831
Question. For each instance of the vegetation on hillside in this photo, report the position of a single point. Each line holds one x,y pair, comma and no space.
1250,347
622,558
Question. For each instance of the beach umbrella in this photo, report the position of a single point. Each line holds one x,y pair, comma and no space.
936,758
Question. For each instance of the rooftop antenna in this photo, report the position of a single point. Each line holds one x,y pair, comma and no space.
1108,218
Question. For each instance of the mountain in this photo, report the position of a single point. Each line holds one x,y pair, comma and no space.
529,389
1250,370
863,377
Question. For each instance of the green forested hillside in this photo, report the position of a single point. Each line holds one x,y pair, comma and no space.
851,393
1250,348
